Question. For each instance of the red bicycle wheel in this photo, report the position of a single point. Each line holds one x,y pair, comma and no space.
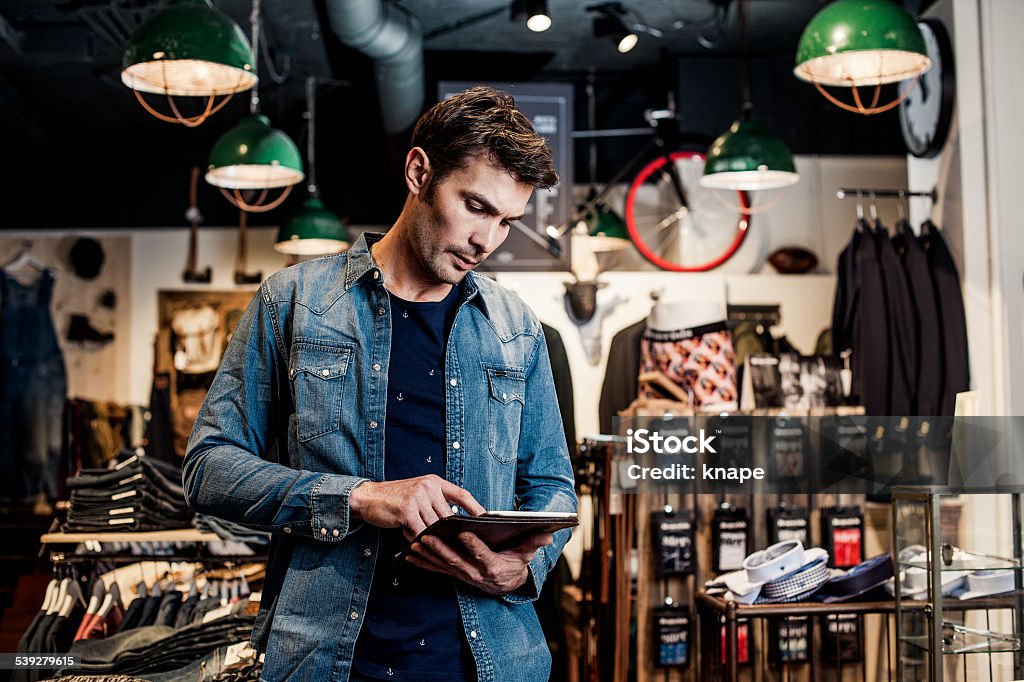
693,237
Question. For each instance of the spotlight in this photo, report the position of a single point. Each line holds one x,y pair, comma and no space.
535,12
611,23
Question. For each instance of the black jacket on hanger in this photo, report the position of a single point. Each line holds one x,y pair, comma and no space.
902,325
930,364
563,383
847,296
620,376
871,363
950,301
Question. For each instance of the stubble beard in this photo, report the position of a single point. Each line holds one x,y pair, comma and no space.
434,258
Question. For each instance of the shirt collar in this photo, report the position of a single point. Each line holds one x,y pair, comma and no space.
360,265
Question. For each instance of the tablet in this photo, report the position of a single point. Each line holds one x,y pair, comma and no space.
499,530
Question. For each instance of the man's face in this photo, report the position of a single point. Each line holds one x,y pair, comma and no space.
464,218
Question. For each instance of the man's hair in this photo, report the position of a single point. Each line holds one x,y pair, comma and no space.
482,121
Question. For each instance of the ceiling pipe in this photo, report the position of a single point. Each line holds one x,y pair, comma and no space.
394,40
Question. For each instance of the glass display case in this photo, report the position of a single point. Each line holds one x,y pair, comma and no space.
958,597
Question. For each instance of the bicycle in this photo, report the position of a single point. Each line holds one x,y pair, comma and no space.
674,222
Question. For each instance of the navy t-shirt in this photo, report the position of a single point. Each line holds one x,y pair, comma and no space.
412,629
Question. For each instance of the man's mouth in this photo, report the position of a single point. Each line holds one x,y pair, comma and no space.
464,262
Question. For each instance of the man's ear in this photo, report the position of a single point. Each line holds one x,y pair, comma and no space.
417,170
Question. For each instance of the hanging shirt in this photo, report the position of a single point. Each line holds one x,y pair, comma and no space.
948,294
871,360
412,629
930,366
902,325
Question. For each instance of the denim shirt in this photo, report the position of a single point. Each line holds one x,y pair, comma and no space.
294,421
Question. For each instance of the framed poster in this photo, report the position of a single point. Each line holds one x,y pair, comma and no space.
194,329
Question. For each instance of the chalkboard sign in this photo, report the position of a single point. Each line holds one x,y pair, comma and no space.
673,542
671,636
842,534
730,537
840,638
790,639
549,108
789,523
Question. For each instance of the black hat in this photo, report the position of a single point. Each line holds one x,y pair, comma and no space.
86,257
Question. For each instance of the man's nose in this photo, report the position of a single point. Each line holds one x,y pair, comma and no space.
485,239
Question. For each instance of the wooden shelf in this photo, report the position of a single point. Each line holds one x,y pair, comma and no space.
181,535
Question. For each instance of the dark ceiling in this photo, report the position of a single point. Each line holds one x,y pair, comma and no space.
86,155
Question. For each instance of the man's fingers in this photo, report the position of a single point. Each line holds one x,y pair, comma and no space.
478,549
462,497
534,542
420,562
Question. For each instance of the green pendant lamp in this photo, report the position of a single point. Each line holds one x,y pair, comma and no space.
606,229
312,230
189,49
747,157
254,156
857,43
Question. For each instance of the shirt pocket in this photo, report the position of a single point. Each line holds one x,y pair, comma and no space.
505,411
317,373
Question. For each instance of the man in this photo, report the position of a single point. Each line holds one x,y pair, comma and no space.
399,387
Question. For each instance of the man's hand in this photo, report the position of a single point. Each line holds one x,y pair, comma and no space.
495,573
410,503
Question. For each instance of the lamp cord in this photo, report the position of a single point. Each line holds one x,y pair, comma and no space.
311,134
748,105
254,20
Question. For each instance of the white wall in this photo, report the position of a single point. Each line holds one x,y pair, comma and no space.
95,371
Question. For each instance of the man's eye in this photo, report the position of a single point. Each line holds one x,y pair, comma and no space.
475,209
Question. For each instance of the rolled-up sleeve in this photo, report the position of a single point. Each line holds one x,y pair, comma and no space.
225,473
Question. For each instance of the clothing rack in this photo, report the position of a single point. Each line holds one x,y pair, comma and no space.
868,193
196,538
197,557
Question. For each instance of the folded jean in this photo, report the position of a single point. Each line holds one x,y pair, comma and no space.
143,469
158,648
132,494
203,669
228,530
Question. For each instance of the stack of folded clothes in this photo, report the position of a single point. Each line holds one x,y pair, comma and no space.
158,648
139,494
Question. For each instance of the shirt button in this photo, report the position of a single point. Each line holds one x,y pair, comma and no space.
376,274
335,532
353,616
455,509
376,367
367,552
472,634
373,425
504,396
456,445
291,373
381,311
454,382
287,529
323,531
326,372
